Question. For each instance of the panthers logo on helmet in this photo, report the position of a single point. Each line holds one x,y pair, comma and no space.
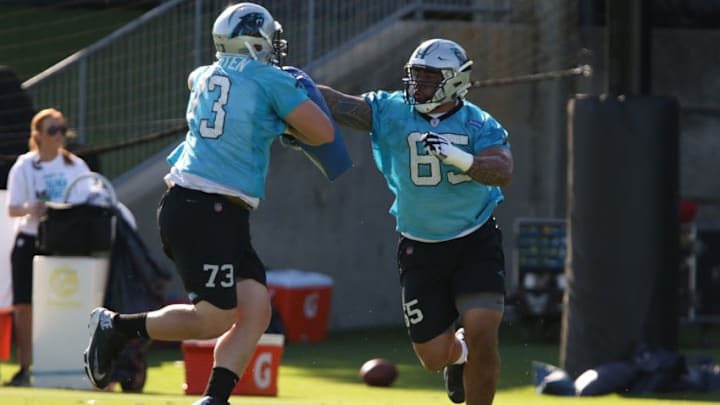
248,28
250,25
422,52
462,57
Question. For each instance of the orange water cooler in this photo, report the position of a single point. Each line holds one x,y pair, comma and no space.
302,299
6,320
260,377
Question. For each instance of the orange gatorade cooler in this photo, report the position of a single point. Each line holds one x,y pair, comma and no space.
260,376
302,299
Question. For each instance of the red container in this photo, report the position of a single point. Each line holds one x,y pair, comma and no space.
260,376
6,320
302,299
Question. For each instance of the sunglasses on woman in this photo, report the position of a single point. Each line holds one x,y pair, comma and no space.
52,131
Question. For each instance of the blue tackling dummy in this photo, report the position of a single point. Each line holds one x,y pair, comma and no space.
332,159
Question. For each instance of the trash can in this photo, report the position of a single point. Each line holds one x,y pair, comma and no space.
69,281
65,290
260,376
303,301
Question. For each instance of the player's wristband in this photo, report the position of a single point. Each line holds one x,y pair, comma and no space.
459,158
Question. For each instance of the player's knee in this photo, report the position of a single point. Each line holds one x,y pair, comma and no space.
481,343
481,336
257,315
253,302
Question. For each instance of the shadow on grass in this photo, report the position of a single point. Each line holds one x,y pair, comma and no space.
340,356
681,396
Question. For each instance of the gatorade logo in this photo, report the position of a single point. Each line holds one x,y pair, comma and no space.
311,305
262,370
64,282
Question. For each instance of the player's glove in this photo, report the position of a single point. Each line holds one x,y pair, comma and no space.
290,142
438,146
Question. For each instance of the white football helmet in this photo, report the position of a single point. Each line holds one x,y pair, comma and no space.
446,57
247,28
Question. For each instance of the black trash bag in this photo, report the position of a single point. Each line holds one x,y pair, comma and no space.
276,325
659,370
136,283
712,377
131,365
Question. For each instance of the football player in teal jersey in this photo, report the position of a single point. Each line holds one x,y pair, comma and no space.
445,160
237,107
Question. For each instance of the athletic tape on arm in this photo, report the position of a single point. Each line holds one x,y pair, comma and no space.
332,158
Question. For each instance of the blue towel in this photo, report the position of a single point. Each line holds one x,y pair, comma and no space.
332,158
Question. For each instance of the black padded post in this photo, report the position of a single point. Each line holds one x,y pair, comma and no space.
623,228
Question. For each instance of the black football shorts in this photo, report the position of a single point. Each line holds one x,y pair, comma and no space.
433,276
21,259
208,238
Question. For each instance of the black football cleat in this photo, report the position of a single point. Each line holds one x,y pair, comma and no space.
453,376
105,345
20,379
211,401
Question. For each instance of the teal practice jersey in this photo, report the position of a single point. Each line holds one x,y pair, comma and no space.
235,112
433,201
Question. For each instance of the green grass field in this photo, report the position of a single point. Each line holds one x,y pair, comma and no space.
326,373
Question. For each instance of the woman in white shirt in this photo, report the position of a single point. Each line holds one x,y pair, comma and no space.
38,176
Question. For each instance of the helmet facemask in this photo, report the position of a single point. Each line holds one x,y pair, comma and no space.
416,87
266,48
279,46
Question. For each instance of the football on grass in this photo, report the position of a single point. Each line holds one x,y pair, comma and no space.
378,372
